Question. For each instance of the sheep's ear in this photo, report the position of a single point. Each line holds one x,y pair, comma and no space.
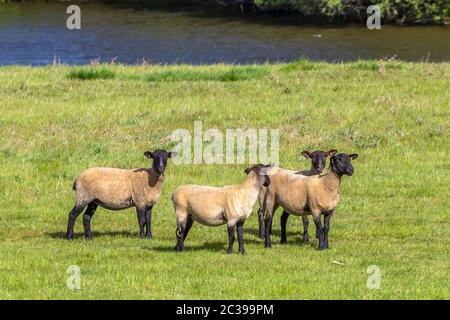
172,154
331,153
306,154
353,156
268,167
265,169
148,154
247,170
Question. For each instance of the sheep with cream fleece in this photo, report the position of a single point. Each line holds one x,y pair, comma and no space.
318,160
118,189
214,206
301,196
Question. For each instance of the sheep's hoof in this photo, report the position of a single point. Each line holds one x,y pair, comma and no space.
321,248
283,241
148,236
69,236
178,249
243,252
268,245
229,251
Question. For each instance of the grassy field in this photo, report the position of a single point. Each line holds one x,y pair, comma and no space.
394,211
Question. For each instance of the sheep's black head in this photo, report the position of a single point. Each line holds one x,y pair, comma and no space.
318,158
341,163
159,159
261,170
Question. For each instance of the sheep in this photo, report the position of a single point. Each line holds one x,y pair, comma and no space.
318,159
117,189
302,195
214,206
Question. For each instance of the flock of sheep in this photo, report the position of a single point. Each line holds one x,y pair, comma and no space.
299,193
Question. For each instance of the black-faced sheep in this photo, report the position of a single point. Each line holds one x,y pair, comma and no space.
318,160
301,196
118,189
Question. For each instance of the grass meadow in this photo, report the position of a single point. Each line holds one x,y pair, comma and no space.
394,211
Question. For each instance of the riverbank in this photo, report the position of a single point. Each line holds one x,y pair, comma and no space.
410,12
398,12
59,120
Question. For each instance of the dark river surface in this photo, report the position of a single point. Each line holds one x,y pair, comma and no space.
35,33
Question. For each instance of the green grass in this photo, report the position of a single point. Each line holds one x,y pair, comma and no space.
231,74
301,65
90,73
394,211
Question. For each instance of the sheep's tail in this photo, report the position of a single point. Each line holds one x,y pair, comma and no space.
74,186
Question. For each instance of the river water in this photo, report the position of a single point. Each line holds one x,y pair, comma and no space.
35,33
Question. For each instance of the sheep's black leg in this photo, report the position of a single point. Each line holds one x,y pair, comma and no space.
87,216
230,239
72,218
240,235
267,224
261,222
305,229
180,239
319,227
148,222
283,220
189,223
141,220
327,226
271,226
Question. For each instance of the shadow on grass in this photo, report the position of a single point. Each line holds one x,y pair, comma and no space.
292,237
80,235
208,246
275,232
